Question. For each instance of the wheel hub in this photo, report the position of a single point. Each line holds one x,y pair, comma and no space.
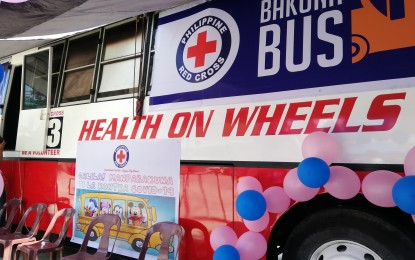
344,250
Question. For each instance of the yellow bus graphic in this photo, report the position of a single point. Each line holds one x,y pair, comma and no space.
136,217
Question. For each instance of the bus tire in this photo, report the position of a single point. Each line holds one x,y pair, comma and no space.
344,232
137,244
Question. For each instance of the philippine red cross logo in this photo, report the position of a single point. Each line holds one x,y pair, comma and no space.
206,46
121,156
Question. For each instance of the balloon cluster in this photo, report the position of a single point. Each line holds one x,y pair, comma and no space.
227,246
253,205
403,191
319,150
382,188
389,189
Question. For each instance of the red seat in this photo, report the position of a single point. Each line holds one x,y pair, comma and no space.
167,230
108,220
33,249
9,240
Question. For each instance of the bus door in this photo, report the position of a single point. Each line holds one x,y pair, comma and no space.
10,107
34,101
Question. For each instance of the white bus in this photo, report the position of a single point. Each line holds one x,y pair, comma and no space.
242,85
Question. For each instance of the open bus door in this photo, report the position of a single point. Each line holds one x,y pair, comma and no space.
34,101
4,83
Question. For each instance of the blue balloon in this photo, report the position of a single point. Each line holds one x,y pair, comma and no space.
251,205
313,172
403,194
226,252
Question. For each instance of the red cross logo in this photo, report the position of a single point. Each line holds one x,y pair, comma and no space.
121,156
201,49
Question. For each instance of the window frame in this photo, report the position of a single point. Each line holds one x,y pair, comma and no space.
139,54
140,87
65,71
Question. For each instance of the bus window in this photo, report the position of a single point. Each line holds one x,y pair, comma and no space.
121,60
105,206
56,65
91,207
36,80
137,214
119,209
79,70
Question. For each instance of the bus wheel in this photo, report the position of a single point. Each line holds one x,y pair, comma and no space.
347,234
137,244
93,236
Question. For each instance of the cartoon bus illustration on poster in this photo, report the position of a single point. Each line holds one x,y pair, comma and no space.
137,212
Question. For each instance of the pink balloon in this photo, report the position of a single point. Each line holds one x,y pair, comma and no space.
222,235
295,189
377,187
259,224
409,162
277,200
413,218
343,183
321,145
251,245
248,183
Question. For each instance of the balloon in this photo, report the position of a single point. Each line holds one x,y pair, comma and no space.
277,200
377,187
295,189
248,183
321,145
226,252
413,218
343,183
313,172
251,205
403,194
409,162
222,235
259,224
251,245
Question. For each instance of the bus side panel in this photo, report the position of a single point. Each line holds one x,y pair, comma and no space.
39,186
12,175
206,201
65,186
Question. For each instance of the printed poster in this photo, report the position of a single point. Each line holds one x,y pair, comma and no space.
138,180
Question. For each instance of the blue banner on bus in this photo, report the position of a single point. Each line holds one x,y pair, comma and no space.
222,49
